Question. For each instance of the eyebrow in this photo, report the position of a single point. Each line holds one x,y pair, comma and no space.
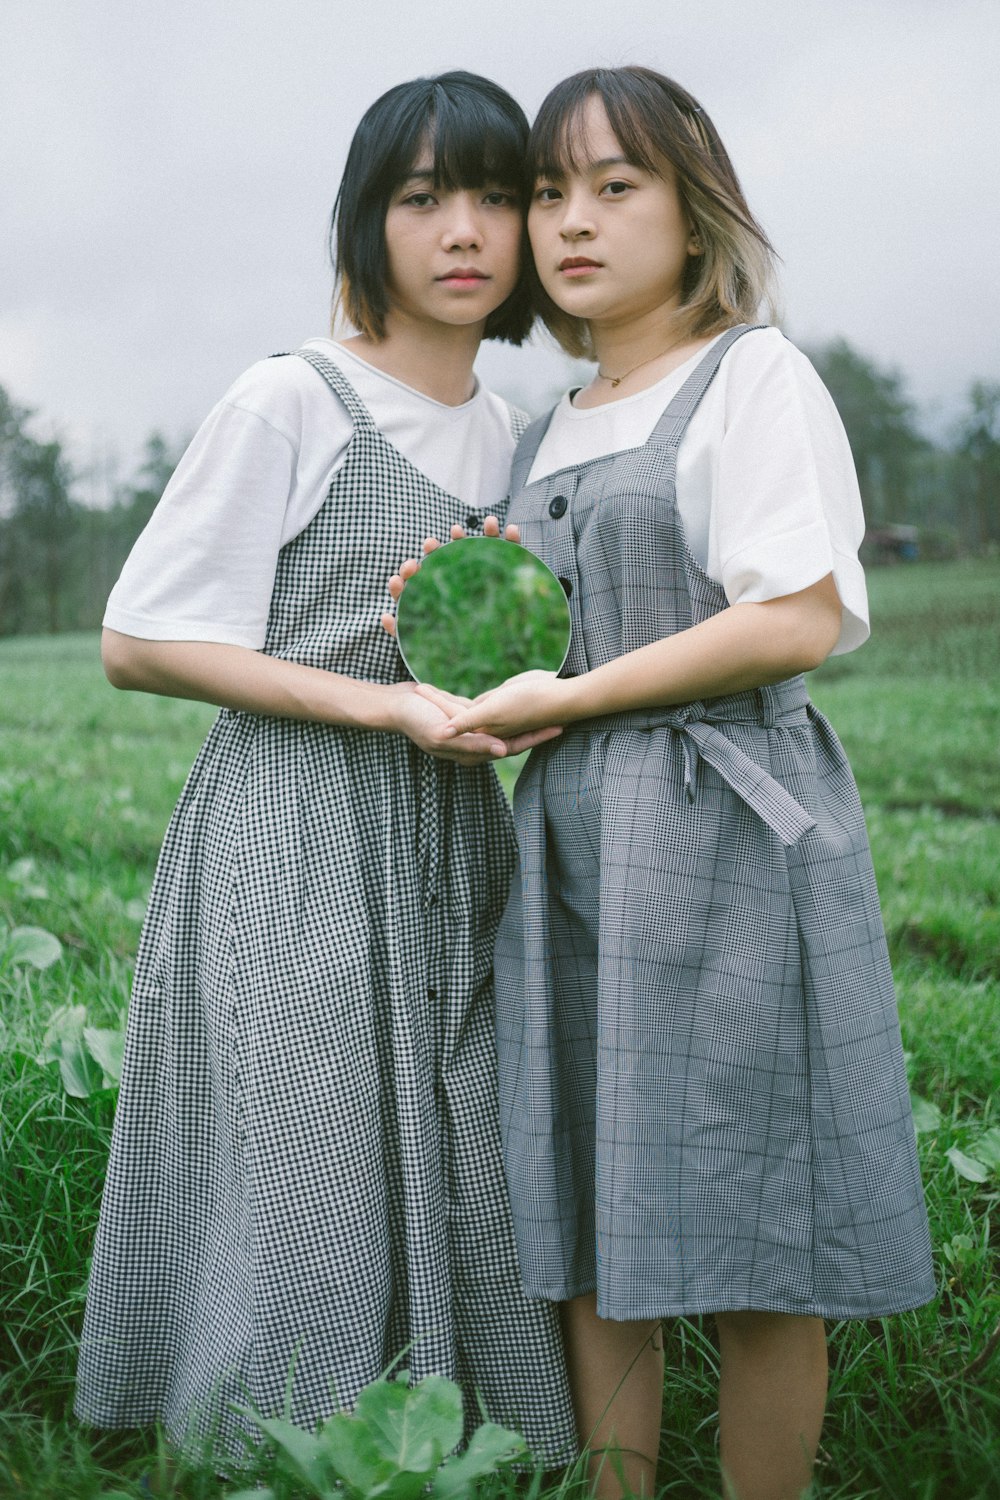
593,166
608,161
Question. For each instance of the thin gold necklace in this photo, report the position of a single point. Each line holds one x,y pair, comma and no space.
617,379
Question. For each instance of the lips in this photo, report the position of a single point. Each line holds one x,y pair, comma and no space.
577,267
463,275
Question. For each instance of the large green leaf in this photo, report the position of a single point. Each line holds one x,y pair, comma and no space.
489,1447
33,946
89,1057
23,873
66,1042
967,1166
303,1452
65,1023
106,1048
987,1147
81,1075
926,1116
413,1426
351,1454
391,1447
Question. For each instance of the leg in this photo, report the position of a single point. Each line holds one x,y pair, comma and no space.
616,1375
772,1393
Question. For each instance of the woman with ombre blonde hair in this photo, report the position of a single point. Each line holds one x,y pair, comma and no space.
703,1096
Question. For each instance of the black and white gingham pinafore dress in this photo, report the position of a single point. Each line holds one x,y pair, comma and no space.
703,1097
306,1174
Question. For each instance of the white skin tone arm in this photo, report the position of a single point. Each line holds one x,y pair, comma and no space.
237,677
745,646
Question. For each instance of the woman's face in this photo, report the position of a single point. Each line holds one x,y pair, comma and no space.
453,255
611,241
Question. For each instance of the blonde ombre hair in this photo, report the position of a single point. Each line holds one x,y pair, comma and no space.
656,123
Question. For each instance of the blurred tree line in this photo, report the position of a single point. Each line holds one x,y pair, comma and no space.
60,557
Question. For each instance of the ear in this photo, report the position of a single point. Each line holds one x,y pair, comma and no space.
694,243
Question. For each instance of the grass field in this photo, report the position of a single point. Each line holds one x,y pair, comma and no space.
87,780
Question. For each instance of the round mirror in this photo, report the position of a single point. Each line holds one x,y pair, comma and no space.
479,611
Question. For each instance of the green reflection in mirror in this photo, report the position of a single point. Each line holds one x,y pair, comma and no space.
479,611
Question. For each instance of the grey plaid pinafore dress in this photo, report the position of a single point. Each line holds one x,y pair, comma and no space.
306,1175
703,1097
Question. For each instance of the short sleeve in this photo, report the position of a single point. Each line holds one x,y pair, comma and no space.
787,509
204,567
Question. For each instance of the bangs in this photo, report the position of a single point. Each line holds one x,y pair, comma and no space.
632,100
473,147
474,141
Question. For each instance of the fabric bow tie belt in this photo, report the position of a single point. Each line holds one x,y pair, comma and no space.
785,703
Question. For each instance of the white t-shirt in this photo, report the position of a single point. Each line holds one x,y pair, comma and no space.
257,472
766,485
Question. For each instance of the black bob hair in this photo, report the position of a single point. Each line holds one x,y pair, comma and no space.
478,134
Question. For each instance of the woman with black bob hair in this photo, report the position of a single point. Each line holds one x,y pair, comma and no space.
305,1178
479,136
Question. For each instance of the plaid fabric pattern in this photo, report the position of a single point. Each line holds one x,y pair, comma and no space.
703,1097
306,1180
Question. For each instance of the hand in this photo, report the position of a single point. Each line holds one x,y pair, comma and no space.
397,583
426,724
451,705
530,702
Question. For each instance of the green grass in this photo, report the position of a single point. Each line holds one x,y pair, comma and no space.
87,781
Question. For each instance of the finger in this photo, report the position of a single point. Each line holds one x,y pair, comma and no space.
396,586
389,624
430,689
457,533
512,533
464,759
409,568
431,543
450,703
532,738
469,721
477,744
491,526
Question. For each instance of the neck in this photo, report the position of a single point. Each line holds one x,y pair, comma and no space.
434,358
620,346
633,355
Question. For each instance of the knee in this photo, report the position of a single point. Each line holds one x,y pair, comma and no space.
750,1328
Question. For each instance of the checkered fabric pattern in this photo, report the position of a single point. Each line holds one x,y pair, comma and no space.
703,1097
306,1180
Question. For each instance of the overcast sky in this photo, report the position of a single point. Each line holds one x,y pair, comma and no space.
168,168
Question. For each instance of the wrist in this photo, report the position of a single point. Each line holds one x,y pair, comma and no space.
376,706
574,698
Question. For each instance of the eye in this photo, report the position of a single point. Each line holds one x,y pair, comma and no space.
616,188
420,200
500,198
547,194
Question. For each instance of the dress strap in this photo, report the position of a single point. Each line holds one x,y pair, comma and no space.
670,428
524,454
335,378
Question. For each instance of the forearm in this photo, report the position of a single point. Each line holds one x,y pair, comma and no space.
746,646
236,677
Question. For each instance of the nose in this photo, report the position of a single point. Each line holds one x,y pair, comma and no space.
577,220
463,230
